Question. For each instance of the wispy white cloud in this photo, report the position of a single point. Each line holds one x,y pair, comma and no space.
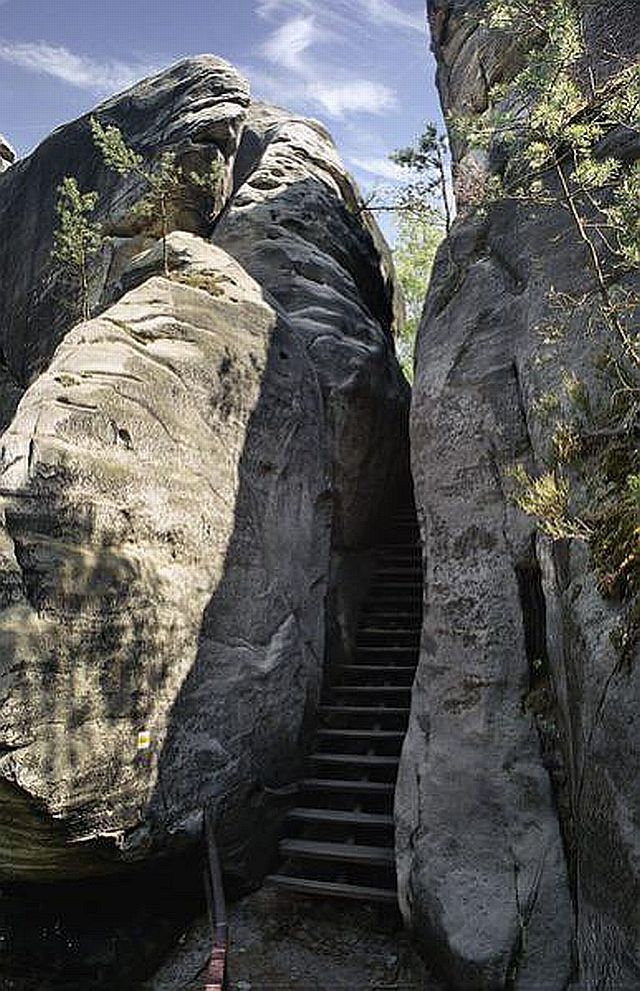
353,96
381,167
287,45
384,12
319,81
266,8
379,13
78,70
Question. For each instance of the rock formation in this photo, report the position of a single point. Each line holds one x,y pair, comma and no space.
185,481
518,798
195,109
7,154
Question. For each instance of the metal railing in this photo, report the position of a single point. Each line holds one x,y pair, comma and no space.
216,972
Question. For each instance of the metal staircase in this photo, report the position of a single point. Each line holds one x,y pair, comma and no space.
339,840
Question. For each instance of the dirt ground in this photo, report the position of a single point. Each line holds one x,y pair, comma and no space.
284,943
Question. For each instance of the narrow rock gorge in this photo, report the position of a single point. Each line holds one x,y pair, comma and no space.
518,798
192,484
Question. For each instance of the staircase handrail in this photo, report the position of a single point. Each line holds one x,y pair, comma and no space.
216,972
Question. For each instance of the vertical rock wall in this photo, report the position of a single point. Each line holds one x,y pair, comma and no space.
517,803
180,477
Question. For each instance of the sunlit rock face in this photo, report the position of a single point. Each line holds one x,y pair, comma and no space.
518,800
7,154
145,504
195,110
183,479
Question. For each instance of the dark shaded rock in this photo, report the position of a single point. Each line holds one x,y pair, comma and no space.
480,855
292,224
517,805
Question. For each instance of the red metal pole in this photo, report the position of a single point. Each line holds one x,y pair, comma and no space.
217,966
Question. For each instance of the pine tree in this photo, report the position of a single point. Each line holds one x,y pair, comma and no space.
163,182
427,192
77,238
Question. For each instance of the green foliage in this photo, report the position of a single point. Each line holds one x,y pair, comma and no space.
553,119
116,153
423,215
547,498
615,543
577,394
165,181
77,238
624,217
566,443
424,158
426,193
209,185
414,254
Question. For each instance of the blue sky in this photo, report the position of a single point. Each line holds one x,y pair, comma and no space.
361,66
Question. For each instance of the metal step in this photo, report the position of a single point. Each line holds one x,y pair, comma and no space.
398,583
364,710
332,889
392,621
337,784
383,633
393,640
399,568
357,761
388,650
361,734
411,614
341,817
375,674
372,661
340,847
379,691
381,670
407,596
349,853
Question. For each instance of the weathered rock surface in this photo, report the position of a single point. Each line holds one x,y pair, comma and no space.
7,154
181,481
290,225
134,526
518,860
195,109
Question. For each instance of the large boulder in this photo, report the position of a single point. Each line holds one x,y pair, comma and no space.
517,802
187,481
293,224
195,109
166,470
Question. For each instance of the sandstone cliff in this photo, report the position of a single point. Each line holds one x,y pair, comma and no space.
186,479
518,799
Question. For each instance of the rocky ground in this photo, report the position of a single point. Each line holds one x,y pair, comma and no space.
283,944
